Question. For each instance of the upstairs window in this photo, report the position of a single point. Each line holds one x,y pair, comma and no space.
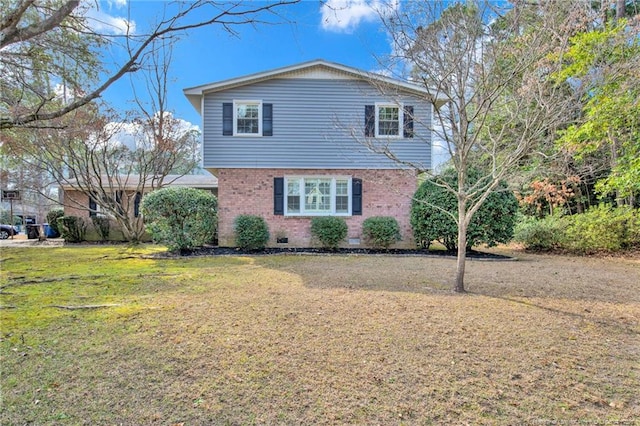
388,121
247,118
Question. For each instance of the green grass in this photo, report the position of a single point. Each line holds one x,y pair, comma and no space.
315,339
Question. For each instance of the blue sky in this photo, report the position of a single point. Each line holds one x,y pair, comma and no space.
344,31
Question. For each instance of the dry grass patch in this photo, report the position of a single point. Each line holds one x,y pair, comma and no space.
322,340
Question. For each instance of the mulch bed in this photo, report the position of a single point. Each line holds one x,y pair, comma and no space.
234,251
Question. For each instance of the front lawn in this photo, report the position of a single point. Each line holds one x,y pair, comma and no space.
315,339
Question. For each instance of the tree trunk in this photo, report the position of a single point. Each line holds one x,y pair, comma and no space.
462,248
620,9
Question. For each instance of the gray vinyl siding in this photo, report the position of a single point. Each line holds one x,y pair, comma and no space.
313,123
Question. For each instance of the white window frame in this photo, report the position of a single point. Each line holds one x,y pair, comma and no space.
236,104
301,184
400,119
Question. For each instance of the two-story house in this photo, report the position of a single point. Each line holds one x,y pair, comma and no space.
305,140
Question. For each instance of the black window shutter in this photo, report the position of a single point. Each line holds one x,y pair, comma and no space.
136,204
356,197
278,196
93,207
118,205
227,119
267,119
408,122
370,120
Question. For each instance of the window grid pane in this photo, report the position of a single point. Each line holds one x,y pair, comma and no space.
247,118
389,121
293,204
317,195
293,196
342,196
342,204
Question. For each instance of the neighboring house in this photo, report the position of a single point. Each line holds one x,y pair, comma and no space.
78,203
297,142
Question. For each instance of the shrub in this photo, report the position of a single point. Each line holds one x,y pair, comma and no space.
5,217
434,207
102,226
252,232
72,228
381,231
329,230
632,239
181,218
540,234
602,228
52,219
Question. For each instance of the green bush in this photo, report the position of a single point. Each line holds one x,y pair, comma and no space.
433,206
381,231
329,230
72,228
181,218
5,217
603,228
252,232
102,226
52,219
540,234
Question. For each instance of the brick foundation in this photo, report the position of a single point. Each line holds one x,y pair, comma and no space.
250,191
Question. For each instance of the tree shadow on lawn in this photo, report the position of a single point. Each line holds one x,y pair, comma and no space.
531,276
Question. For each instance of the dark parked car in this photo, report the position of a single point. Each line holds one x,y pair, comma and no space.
7,230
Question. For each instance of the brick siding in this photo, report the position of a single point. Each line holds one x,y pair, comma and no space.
250,191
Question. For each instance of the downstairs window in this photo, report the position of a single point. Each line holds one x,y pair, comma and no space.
317,196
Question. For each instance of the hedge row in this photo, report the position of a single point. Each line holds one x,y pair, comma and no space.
601,228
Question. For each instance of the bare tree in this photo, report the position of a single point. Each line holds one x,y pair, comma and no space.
488,84
44,43
84,151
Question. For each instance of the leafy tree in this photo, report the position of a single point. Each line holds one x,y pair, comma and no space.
49,46
433,210
543,195
489,90
181,218
602,67
554,161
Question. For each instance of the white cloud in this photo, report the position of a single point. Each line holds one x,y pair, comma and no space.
133,136
117,3
107,23
346,15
